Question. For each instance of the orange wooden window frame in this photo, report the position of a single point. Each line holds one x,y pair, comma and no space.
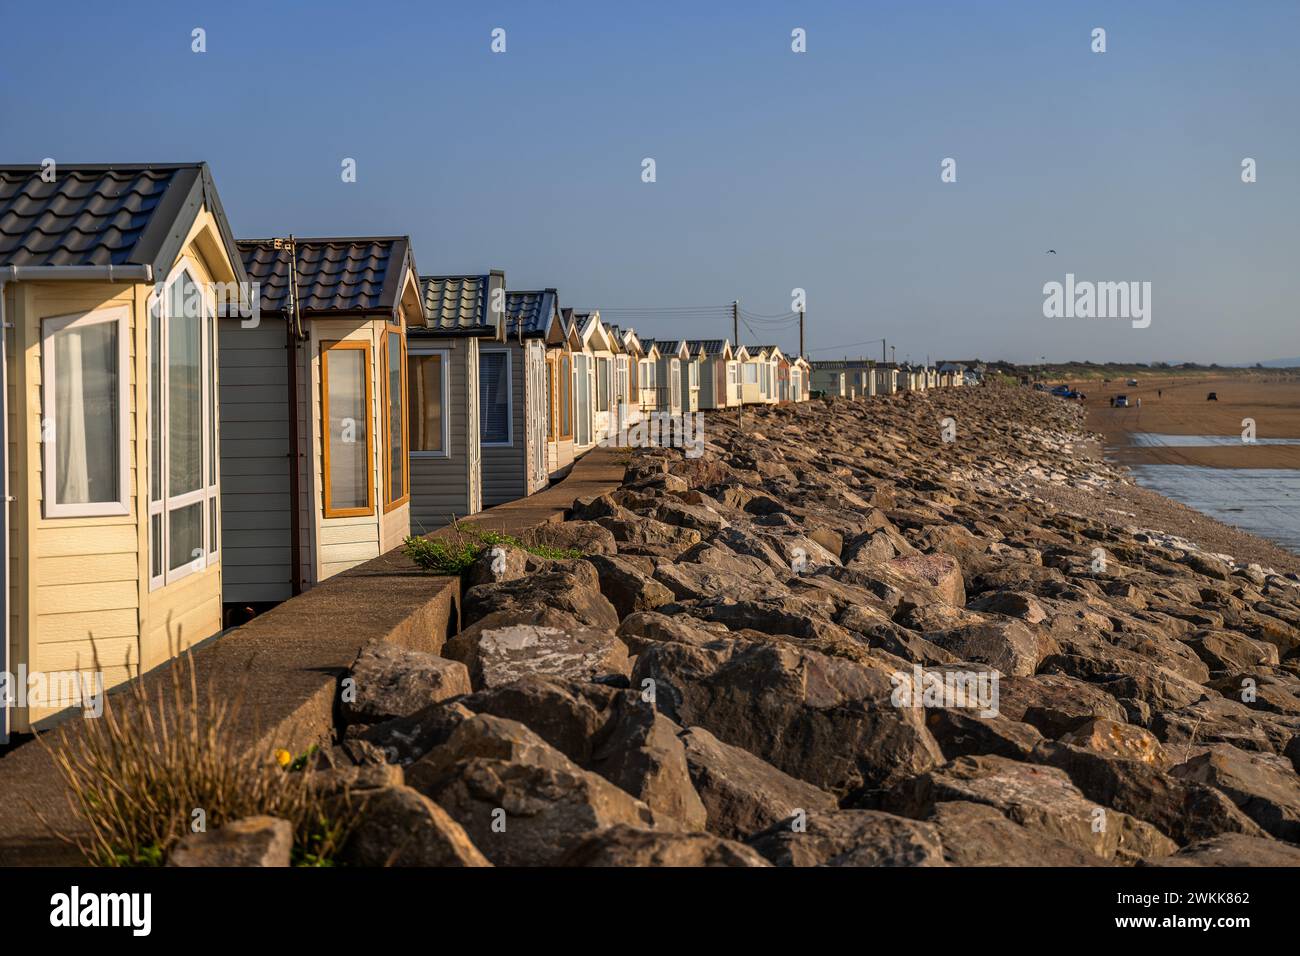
388,428
325,348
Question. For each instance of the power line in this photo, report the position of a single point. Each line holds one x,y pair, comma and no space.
847,345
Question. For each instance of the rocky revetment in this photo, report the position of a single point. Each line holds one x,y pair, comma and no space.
851,633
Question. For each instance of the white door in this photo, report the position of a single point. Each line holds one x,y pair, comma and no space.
539,405
474,456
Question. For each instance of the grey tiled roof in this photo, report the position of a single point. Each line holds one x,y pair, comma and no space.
533,310
345,275
101,215
456,302
711,346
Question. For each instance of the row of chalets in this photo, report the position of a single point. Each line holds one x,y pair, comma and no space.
196,421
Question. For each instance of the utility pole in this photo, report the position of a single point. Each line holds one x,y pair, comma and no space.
882,351
735,322
802,313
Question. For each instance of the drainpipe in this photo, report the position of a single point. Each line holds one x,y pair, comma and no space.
293,332
9,275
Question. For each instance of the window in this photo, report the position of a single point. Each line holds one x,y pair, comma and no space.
694,372
183,475
675,382
620,380
582,402
751,373
395,458
494,397
84,418
345,429
566,397
602,384
552,398
427,395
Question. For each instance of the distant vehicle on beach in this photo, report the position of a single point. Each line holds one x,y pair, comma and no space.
1212,397
1120,401
1132,383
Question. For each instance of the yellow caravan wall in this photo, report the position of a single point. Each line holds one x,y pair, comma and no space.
79,586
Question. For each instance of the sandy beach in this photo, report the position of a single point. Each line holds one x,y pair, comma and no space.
1178,407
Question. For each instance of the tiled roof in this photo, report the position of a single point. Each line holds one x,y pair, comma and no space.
711,346
531,309
360,275
97,215
455,302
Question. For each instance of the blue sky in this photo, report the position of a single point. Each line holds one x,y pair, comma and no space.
775,170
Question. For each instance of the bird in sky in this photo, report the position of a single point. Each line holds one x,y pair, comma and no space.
1050,252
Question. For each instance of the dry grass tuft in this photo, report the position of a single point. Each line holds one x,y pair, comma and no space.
138,774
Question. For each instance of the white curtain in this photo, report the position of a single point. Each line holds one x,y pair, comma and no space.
86,414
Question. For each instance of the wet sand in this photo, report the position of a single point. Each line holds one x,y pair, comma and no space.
1182,409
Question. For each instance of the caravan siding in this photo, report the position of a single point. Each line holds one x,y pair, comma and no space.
76,588
504,465
255,499
80,597
446,487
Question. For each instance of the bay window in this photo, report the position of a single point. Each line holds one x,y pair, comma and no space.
395,424
84,418
346,443
183,512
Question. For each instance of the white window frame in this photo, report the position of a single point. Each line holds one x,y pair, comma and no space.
675,383
621,386
49,328
744,373
445,354
510,398
693,373
169,503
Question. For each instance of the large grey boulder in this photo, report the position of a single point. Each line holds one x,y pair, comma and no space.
522,802
388,682
741,793
1264,786
851,838
825,720
975,834
252,841
1038,797
501,655
398,826
1231,850
622,845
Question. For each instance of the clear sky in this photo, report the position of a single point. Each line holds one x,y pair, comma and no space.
775,169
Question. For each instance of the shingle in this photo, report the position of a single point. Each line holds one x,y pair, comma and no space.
89,215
